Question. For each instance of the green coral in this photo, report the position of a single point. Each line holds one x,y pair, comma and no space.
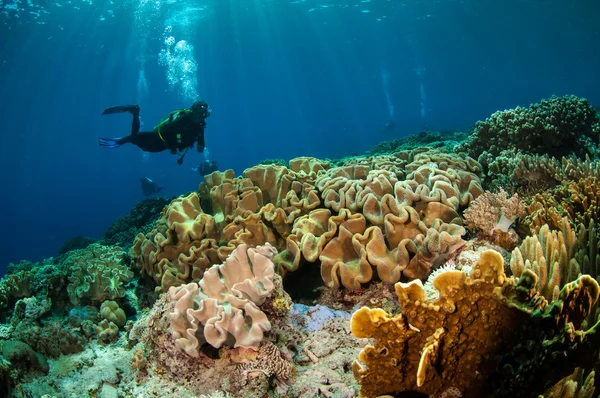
558,126
432,139
23,357
74,243
52,338
140,220
96,273
279,162
25,279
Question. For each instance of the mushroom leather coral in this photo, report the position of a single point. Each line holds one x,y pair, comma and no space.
473,337
223,307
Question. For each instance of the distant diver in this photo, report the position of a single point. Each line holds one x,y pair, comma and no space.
149,187
206,167
177,130
389,126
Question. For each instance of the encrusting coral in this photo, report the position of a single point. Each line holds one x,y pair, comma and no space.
123,231
486,335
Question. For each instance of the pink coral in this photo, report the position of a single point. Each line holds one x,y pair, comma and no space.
492,214
223,307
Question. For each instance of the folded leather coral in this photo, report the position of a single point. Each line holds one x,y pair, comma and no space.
404,206
223,307
96,273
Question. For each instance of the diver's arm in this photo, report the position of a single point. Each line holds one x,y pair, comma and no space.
200,138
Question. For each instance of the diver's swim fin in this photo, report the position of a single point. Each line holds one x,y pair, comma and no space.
112,142
133,109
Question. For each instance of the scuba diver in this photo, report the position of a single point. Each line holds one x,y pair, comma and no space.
177,130
389,126
206,167
149,187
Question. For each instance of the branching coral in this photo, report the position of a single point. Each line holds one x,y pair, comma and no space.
557,126
551,256
123,231
573,386
493,215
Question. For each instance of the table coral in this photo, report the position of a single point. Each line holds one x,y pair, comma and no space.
486,335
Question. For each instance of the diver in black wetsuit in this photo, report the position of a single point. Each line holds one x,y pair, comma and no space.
149,187
177,130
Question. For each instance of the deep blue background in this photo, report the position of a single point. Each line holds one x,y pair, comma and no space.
284,79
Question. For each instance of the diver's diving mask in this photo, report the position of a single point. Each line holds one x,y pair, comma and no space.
201,108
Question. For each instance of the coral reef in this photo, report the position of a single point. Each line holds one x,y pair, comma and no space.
141,219
573,386
551,256
75,243
274,282
23,356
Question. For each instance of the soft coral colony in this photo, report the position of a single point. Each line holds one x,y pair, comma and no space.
441,268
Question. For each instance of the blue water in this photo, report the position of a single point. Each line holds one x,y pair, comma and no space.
283,79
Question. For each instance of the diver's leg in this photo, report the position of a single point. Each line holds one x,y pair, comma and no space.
135,123
121,109
148,141
113,142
